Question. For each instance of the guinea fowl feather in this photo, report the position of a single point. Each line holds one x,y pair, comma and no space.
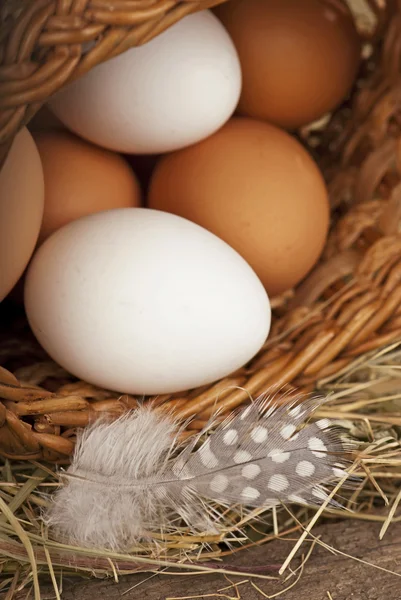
129,477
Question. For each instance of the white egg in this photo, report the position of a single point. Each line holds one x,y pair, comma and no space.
169,93
141,301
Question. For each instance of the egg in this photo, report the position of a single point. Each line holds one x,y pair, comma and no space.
81,179
21,209
257,188
299,58
144,302
171,92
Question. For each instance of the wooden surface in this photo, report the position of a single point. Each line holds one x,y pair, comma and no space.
325,576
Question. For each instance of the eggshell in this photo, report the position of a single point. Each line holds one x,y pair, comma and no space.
299,58
81,179
258,189
171,92
144,302
21,209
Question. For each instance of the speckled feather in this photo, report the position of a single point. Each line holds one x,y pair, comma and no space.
128,478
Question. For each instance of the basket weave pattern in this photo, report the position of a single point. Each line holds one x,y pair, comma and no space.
348,306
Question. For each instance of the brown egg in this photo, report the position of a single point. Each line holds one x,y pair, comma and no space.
81,179
257,188
21,209
299,58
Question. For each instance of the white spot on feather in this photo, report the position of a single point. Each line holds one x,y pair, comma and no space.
250,471
207,457
317,446
259,434
246,412
305,468
319,493
271,502
250,493
340,473
180,469
230,437
287,431
242,456
278,483
296,411
296,499
323,423
278,456
219,483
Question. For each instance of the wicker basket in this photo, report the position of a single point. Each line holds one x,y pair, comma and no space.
350,304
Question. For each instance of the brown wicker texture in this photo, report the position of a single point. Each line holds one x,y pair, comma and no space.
349,305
